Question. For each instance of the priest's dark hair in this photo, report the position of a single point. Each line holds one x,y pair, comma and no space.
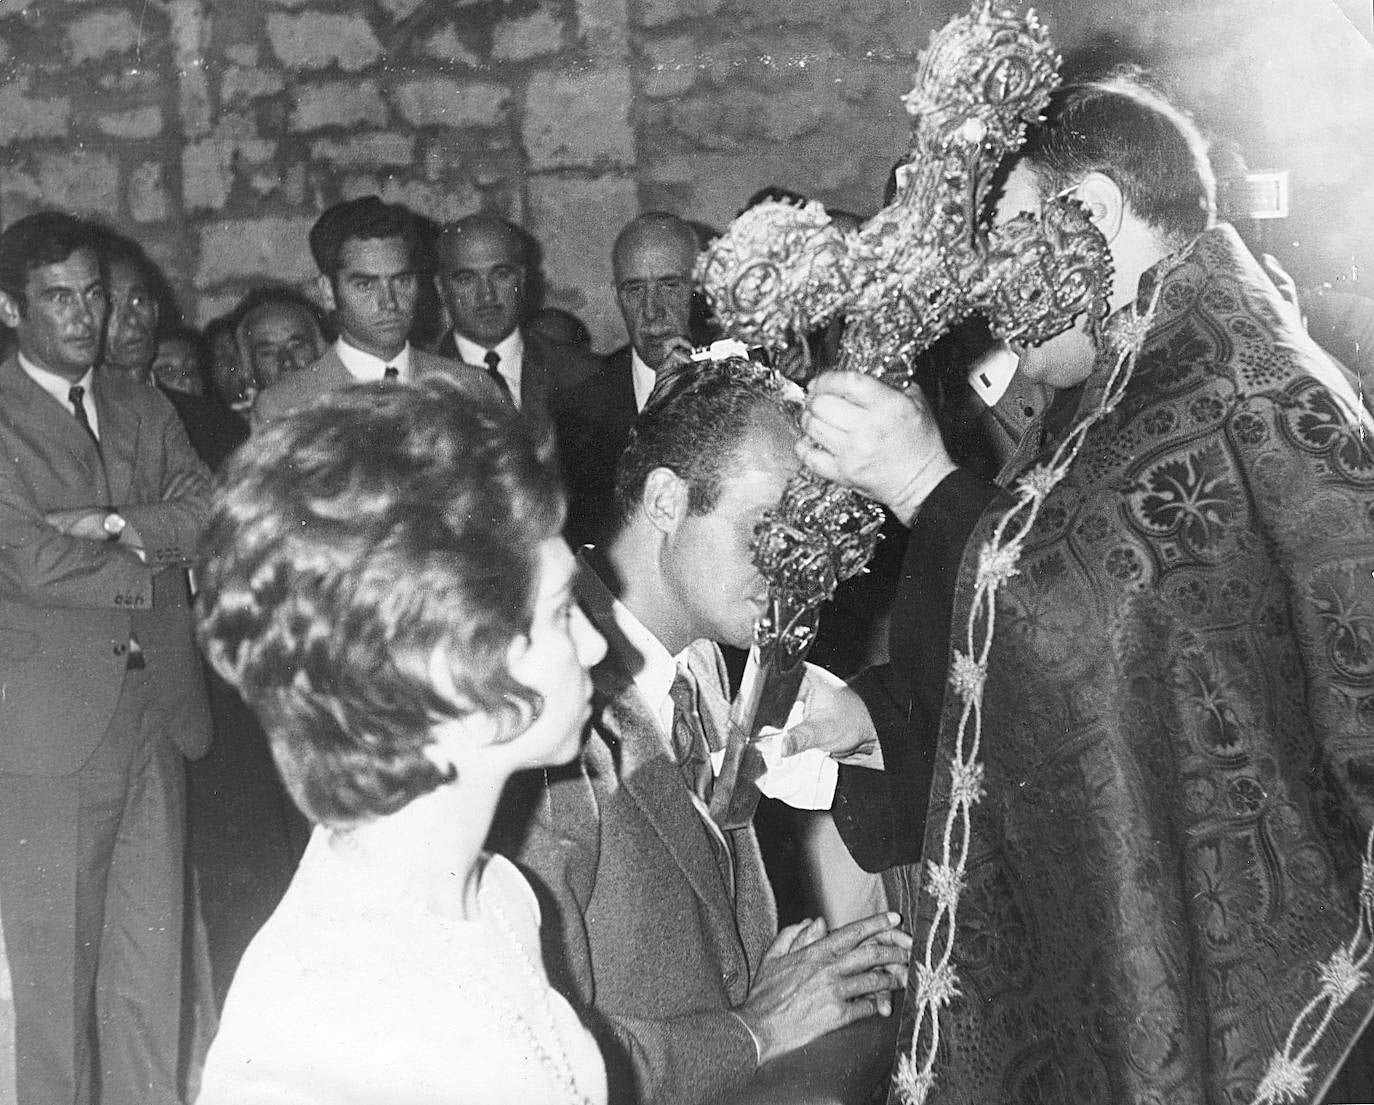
1124,129
355,546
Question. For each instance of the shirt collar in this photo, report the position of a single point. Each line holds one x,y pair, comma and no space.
643,377
511,350
57,386
365,367
657,666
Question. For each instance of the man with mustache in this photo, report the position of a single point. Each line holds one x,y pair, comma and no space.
101,501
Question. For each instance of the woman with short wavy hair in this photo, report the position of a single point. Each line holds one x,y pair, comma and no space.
385,585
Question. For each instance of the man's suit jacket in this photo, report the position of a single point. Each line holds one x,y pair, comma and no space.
593,422
640,931
213,429
548,370
68,606
297,390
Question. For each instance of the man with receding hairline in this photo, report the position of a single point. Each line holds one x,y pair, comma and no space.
482,278
651,263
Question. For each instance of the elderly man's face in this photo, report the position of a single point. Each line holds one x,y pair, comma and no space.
481,281
653,284
279,338
131,334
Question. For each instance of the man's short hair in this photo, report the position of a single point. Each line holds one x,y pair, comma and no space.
694,424
277,295
44,238
452,232
1125,130
365,218
660,222
354,539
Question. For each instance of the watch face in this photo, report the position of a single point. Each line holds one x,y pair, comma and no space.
114,525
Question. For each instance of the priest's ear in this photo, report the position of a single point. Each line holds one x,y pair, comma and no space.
1106,203
664,499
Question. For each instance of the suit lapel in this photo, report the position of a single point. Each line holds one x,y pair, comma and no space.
330,373
649,776
621,373
29,406
536,387
120,425
654,783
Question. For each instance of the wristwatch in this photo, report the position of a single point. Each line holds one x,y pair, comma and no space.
113,525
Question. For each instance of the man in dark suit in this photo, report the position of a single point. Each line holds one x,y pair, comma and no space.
101,499
369,257
652,264
662,924
130,348
482,277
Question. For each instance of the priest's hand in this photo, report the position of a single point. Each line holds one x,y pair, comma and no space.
861,433
812,982
835,720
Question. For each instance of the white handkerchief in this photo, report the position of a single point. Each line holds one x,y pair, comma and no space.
805,781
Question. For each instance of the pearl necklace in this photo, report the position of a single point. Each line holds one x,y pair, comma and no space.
557,1064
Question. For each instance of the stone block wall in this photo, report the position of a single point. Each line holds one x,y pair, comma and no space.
217,130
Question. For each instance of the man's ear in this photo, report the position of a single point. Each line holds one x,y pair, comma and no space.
10,312
664,499
1106,205
325,286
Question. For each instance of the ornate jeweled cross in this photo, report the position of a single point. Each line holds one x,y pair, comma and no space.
900,281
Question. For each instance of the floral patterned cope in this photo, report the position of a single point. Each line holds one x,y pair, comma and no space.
1167,888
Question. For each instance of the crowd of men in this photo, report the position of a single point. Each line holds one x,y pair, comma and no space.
660,925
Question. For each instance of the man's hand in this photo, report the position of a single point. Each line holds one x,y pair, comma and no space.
836,721
866,435
811,982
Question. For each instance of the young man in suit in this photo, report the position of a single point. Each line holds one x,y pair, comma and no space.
368,254
101,500
663,925
482,279
652,264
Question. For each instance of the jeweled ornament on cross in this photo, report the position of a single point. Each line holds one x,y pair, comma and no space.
901,280
927,261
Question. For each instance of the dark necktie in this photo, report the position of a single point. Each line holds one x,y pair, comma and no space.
690,743
493,359
75,397
391,372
